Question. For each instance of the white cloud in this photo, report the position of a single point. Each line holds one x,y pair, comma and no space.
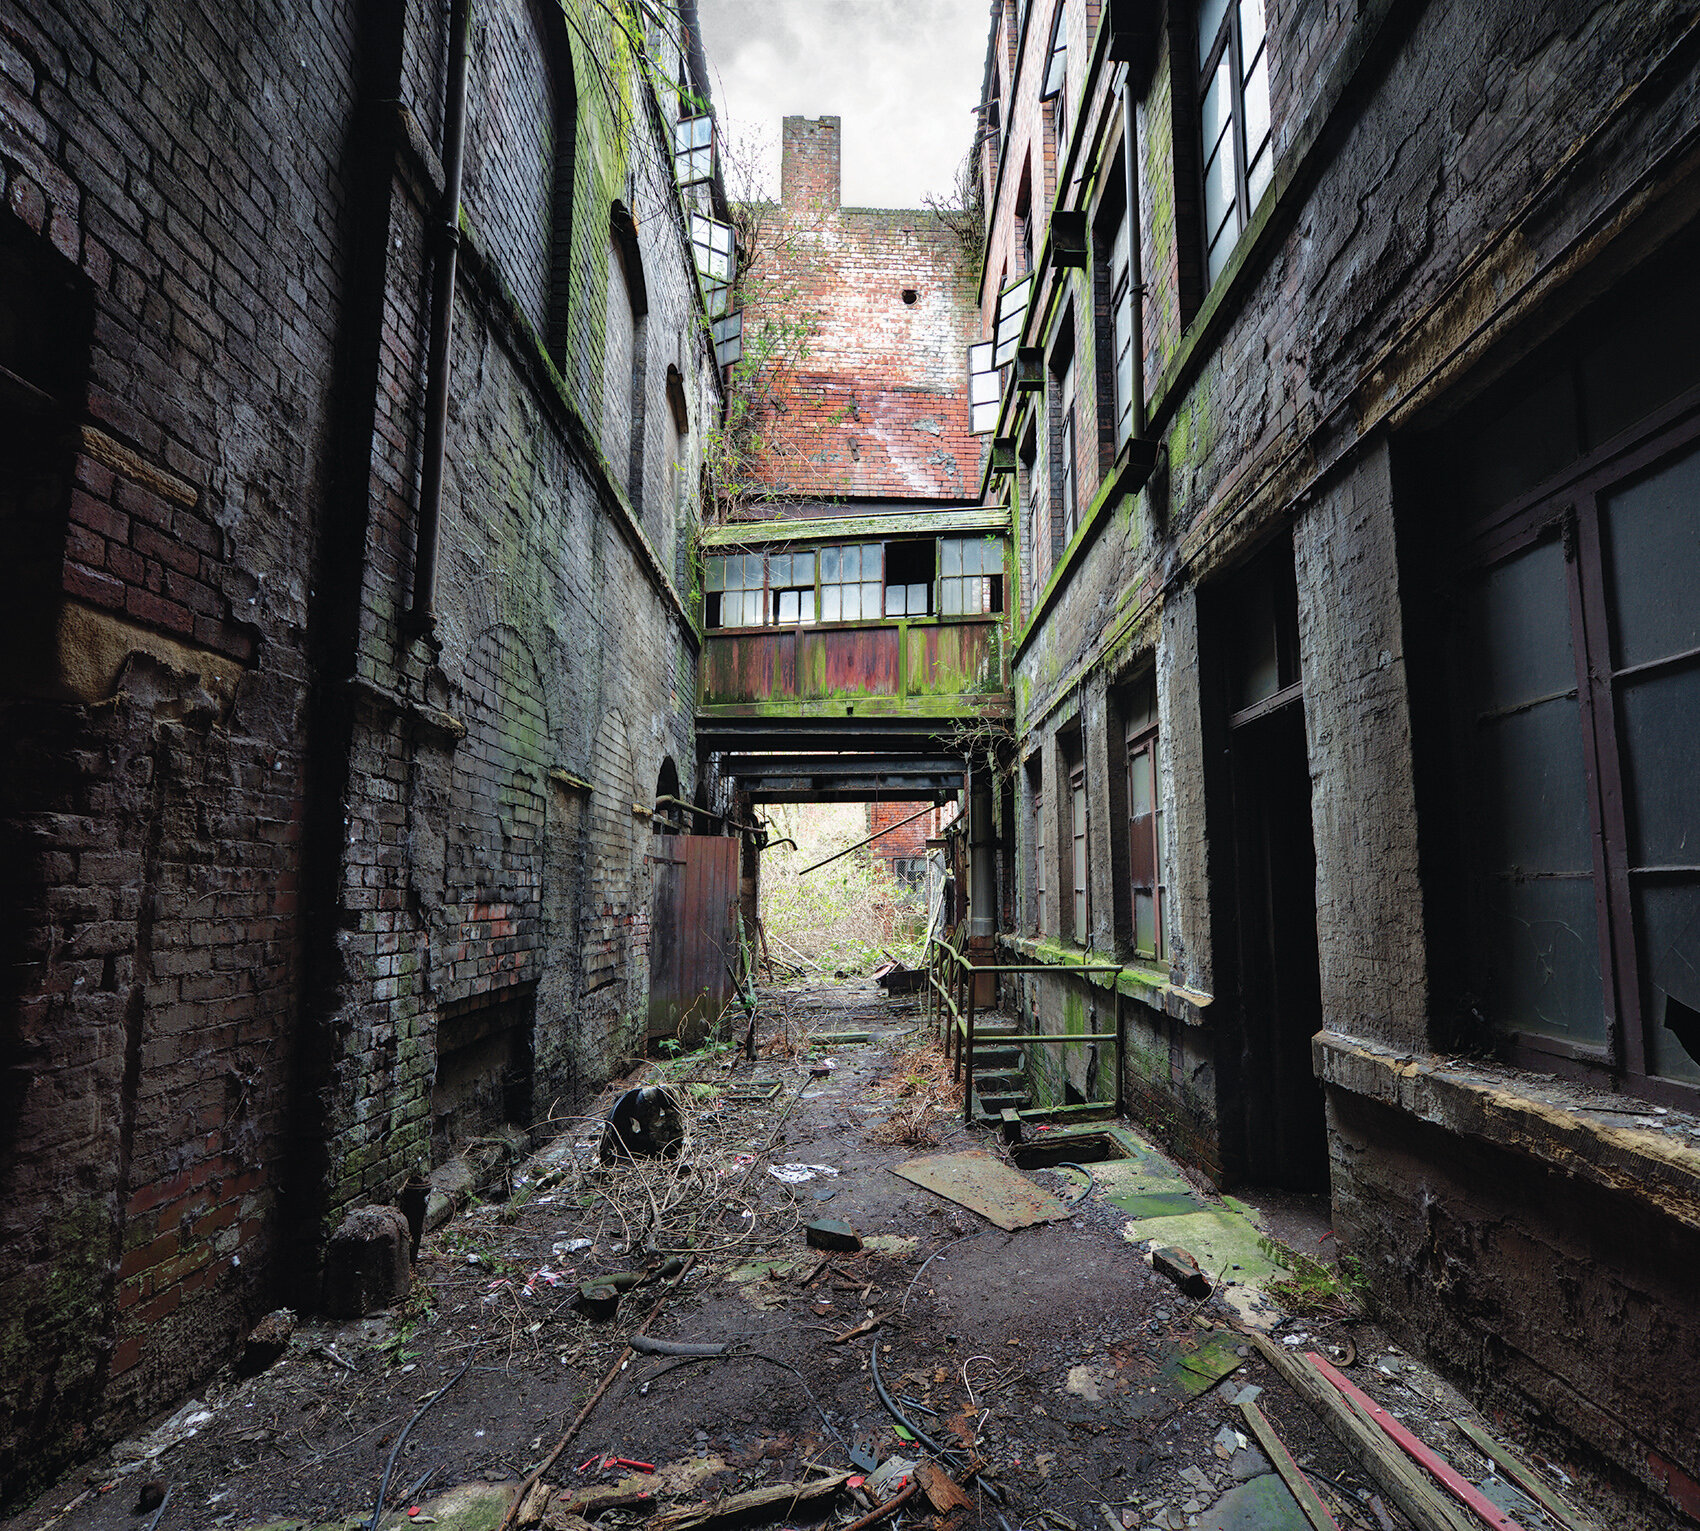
903,74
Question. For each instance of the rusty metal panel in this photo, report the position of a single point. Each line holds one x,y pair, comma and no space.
749,667
693,933
984,1184
955,659
848,662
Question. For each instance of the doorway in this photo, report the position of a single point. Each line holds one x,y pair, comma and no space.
1282,1119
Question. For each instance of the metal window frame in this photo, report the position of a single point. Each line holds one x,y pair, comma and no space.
1079,872
1227,39
1142,740
1568,506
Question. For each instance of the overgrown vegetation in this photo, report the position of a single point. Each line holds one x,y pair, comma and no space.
847,917
1314,1289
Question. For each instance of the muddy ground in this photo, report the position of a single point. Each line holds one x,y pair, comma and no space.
1053,1355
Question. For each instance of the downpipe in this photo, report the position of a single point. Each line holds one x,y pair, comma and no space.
422,608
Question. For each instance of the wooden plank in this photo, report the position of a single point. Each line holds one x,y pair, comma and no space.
1453,1481
1523,1474
1316,1512
1422,1505
777,1499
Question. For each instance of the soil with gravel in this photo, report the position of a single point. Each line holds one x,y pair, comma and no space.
989,1343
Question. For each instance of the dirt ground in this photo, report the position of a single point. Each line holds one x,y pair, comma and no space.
1054,1356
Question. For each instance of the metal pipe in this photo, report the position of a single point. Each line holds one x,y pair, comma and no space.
982,897
423,608
868,841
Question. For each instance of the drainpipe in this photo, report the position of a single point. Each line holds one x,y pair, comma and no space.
1135,254
423,607
982,897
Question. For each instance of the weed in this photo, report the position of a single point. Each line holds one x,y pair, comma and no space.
1312,1288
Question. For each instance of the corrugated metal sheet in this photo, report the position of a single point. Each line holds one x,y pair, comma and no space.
693,937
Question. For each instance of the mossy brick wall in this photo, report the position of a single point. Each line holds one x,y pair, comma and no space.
874,400
254,853
1445,193
151,785
561,643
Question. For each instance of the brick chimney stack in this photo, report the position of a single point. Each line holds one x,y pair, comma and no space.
809,162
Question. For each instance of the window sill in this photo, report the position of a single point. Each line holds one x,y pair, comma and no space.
1149,985
1577,1130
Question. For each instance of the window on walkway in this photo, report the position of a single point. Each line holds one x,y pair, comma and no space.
850,582
1233,94
970,576
791,577
733,587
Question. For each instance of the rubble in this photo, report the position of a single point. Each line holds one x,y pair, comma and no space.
366,1263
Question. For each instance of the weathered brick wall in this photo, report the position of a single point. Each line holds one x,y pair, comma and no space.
868,395
1452,185
153,714
261,829
906,842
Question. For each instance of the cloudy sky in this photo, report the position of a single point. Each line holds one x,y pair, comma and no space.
903,74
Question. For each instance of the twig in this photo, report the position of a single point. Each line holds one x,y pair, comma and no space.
874,1517
595,1398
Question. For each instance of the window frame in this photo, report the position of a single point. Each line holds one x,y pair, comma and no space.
1053,88
1141,739
1228,42
1041,912
1080,855
1568,507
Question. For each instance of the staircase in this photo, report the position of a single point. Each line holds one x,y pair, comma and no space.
998,1069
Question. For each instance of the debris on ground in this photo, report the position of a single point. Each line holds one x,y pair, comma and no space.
1036,1368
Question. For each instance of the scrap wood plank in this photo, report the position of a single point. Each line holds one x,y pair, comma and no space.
942,1491
1454,1482
985,1184
1316,1512
1422,1505
777,1497
1523,1474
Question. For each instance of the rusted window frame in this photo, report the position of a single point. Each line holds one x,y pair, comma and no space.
1567,506
1146,837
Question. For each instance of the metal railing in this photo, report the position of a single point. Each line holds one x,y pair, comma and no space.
950,1005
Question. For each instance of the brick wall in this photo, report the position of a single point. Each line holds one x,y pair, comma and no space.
908,842
261,828
875,402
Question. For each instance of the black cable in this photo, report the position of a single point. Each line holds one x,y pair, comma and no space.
752,1355
401,1440
1091,1179
891,1408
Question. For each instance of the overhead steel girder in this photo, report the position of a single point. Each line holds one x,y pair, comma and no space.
754,765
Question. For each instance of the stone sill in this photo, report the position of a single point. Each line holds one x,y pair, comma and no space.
1150,986
1576,1130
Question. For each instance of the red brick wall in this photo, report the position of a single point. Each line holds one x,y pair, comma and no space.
874,402
911,840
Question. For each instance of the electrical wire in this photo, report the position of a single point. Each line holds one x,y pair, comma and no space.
401,1440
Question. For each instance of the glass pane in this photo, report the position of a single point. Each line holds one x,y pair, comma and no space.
1661,729
1532,791
1145,922
851,607
952,597
1251,27
1222,246
829,602
870,599
1139,784
1259,176
1257,108
1219,204
873,560
1217,110
829,566
787,605
1667,916
716,574
1540,958
1522,630
896,601
1652,537
917,600
778,569
803,568
850,563
951,554
1210,17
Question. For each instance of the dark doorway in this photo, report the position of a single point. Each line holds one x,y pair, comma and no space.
1274,882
